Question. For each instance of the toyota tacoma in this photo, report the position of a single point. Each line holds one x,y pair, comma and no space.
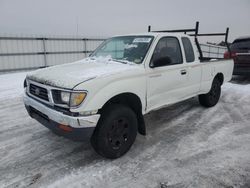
105,96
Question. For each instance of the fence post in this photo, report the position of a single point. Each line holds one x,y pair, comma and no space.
85,47
209,54
44,53
218,51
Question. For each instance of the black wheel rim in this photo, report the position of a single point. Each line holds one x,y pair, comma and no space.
118,133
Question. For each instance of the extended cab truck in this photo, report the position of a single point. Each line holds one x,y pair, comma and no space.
106,95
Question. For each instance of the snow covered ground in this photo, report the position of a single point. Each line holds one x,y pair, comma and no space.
186,146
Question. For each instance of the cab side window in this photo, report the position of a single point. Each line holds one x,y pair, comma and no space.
188,48
167,52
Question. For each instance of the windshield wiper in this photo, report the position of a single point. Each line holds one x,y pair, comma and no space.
111,59
120,61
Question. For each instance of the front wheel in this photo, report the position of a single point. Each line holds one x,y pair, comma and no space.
212,97
116,131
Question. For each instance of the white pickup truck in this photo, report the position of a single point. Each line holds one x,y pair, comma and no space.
106,95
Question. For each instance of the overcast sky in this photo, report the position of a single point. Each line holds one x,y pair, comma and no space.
111,17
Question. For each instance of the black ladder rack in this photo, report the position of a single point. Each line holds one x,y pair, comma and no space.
195,33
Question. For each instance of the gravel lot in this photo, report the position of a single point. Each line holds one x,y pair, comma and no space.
186,146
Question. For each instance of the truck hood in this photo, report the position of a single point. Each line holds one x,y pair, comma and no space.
69,75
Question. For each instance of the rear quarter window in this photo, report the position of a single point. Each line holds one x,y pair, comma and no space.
188,49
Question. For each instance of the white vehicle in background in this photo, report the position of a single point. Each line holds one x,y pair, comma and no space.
106,95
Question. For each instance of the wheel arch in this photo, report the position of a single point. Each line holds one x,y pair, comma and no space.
220,77
134,102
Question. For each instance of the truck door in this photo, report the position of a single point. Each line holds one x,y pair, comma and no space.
166,78
193,68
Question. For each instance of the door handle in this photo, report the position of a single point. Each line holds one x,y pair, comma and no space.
183,72
155,75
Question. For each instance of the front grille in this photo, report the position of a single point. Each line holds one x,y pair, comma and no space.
39,92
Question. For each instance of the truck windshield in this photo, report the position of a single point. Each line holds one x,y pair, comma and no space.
125,48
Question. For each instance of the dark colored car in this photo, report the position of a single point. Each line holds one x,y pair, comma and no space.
240,52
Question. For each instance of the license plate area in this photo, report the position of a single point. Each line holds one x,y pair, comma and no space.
34,111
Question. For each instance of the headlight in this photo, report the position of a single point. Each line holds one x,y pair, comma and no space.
76,99
71,99
65,97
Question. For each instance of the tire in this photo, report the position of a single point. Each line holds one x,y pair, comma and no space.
115,132
212,97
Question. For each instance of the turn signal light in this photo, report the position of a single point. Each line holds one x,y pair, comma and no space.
65,128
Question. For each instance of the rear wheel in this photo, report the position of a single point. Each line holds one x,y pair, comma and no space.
116,131
212,97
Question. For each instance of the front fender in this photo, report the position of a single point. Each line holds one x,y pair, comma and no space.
102,90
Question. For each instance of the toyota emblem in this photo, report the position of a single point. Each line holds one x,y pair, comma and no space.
37,91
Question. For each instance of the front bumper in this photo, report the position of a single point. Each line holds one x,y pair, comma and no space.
80,126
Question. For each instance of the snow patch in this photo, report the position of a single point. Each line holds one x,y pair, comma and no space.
11,85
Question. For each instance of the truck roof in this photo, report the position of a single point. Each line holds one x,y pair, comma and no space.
154,34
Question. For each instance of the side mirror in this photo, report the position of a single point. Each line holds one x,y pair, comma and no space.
162,61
